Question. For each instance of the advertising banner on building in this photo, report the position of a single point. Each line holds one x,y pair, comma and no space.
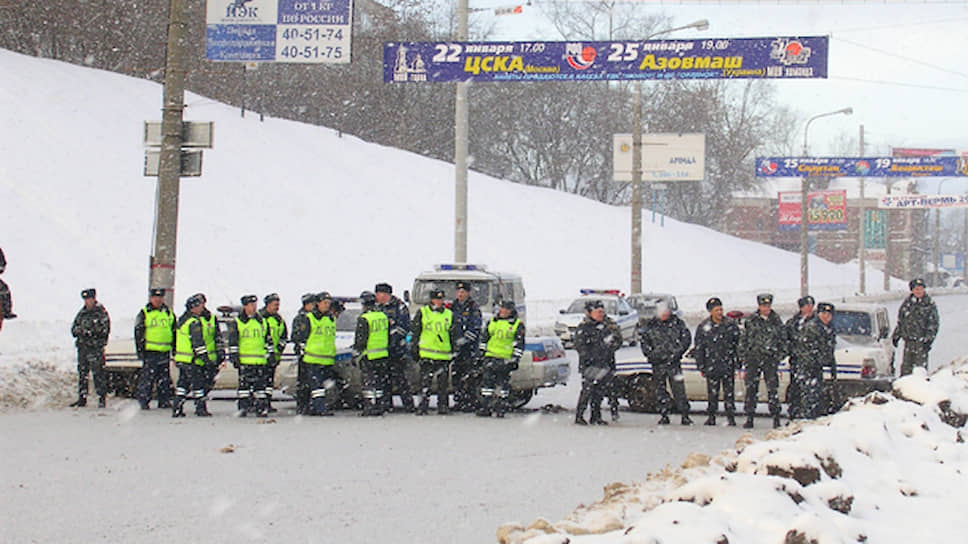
826,210
728,58
296,31
910,202
858,167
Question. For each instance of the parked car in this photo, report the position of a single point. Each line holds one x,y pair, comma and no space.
646,303
943,278
488,288
616,307
864,353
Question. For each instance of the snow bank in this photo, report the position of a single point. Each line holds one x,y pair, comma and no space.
849,477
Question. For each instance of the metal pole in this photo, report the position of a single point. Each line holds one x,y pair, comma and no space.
861,227
937,235
461,115
162,272
887,242
637,190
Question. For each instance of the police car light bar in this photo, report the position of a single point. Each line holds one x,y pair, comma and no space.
460,266
602,292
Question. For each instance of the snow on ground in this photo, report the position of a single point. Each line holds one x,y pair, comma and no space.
885,469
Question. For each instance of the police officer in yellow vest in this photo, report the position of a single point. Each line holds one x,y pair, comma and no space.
371,348
502,345
250,346
154,338
280,337
191,355
319,356
434,334
213,344
300,333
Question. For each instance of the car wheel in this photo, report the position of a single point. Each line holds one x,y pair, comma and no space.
641,394
519,397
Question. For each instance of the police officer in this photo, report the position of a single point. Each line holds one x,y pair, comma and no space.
596,344
280,337
716,339
761,347
917,325
154,337
664,340
6,302
319,355
398,318
213,344
250,345
301,328
794,326
191,356
371,347
91,328
501,347
467,316
814,349
435,335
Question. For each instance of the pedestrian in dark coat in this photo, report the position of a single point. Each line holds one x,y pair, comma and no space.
6,301
717,337
596,343
794,326
398,316
917,325
300,334
467,378
91,328
665,339
761,347
814,349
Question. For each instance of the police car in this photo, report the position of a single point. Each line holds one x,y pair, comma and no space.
616,307
488,288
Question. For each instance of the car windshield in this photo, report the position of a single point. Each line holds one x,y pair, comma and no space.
480,291
347,319
647,304
578,306
852,323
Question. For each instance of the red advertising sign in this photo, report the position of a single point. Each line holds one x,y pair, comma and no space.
826,210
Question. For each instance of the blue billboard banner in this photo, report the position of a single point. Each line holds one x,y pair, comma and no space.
858,167
731,58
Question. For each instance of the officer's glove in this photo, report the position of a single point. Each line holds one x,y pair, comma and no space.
460,342
512,364
896,340
235,361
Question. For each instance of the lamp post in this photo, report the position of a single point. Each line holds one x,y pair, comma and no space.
636,286
804,185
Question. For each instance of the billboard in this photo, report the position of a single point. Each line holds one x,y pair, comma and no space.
294,31
665,157
857,167
909,202
724,58
826,210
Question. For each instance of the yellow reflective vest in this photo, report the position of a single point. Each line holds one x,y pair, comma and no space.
378,339
321,344
252,341
434,342
158,329
500,338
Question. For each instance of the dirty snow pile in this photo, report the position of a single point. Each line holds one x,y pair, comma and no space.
885,469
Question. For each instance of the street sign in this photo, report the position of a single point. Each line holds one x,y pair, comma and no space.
295,31
191,162
725,58
875,231
194,134
858,167
665,157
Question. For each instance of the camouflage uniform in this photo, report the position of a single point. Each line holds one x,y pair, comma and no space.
716,358
91,329
761,347
794,327
917,325
813,348
596,344
664,343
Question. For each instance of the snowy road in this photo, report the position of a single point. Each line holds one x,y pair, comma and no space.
121,474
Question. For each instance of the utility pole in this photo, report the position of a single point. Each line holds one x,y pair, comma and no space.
637,190
461,129
862,226
887,241
162,272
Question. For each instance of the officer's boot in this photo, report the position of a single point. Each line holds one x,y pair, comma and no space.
407,399
261,407
664,420
501,403
583,399
730,419
177,408
201,405
711,420
102,401
776,421
596,418
686,420
613,408
244,403
79,403
484,410
749,422
424,403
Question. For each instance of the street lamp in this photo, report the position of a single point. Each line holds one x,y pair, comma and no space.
701,24
804,184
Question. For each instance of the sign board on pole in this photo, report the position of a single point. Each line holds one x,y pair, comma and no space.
194,134
826,210
875,231
723,58
191,162
296,31
665,157
858,167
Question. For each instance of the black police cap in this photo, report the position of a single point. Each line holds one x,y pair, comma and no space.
323,296
157,292
825,307
367,298
764,298
916,282
383,288
805,301
193,301
89,293
464,285
508,305
436,293
249,299
713,302
271,297
309,298
592,304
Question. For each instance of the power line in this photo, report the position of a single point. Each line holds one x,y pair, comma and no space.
899,84
902,57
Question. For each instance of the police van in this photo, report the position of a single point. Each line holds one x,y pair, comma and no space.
487,288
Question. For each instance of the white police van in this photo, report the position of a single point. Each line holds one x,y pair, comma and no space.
487,288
